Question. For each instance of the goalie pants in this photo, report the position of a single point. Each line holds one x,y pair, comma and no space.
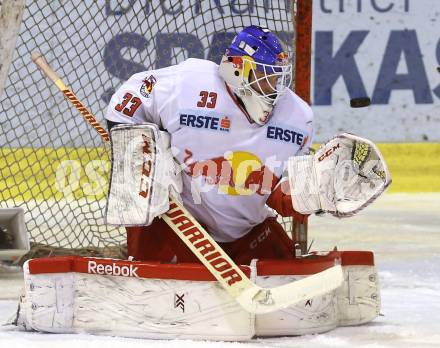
158,242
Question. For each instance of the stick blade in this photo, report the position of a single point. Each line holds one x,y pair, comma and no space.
259,300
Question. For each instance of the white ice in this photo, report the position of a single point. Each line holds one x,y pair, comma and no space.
404,232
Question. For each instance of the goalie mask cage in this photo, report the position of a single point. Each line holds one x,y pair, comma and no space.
52,163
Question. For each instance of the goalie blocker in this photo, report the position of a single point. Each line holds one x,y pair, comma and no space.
143,175
168,301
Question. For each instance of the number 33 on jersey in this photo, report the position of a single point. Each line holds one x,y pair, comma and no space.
129,105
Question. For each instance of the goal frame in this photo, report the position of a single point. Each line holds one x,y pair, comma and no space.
303,81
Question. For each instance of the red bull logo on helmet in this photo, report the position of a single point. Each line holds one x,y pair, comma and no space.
282,58
237,61
235,173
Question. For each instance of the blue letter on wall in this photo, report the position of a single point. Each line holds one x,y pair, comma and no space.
402,42
329,67
116,65
165,43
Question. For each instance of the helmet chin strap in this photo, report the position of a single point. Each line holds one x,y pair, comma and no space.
257,109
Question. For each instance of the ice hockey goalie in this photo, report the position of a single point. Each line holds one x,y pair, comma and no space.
229,141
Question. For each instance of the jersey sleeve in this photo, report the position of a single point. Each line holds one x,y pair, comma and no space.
280,199
310,134
142,99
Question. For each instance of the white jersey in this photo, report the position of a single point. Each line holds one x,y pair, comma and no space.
231,164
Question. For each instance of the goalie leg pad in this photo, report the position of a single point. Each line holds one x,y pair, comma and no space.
359,296
355,302
130,299
152,300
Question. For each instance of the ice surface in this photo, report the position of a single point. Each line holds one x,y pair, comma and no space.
403,231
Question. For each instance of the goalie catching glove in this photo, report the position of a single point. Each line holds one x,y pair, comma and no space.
344,176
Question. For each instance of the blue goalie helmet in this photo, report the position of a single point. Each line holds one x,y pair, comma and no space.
257,68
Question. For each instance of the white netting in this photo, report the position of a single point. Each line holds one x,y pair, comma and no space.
52,164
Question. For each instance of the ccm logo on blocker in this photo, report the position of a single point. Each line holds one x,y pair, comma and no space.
113,269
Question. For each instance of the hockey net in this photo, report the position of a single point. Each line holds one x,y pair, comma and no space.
52,164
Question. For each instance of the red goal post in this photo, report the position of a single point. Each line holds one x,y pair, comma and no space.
52,164
303,77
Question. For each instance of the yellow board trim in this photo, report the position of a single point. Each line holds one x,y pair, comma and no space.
27,173
414,167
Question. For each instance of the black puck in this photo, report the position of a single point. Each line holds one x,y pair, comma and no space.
360,102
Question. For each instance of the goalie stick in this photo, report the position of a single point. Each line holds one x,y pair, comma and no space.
250,296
